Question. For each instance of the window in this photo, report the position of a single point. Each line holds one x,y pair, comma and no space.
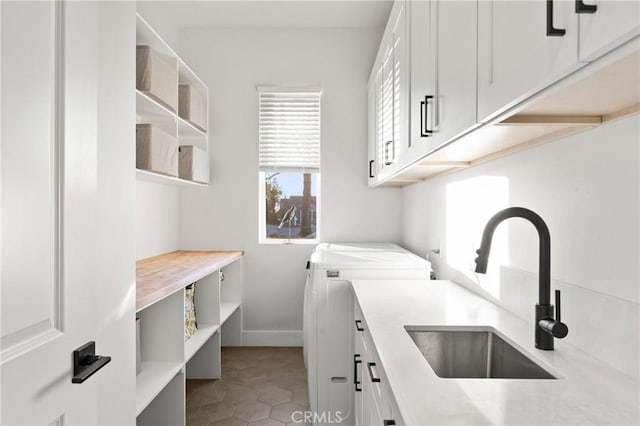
289,160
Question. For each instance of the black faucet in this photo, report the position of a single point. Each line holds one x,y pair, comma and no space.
546,326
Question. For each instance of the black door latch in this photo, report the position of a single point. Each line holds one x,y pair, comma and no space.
86,362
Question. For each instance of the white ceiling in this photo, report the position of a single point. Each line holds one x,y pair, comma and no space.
269,14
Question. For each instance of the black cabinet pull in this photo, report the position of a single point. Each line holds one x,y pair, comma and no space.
356,382
86,363
585,8
370,366
551,30
424,130
371,169
389,423
387,161
359,326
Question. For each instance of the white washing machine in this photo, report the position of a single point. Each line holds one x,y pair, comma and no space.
328,314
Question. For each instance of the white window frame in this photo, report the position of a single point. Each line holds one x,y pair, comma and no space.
262,216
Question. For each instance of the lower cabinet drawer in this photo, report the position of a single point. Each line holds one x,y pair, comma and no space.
374,402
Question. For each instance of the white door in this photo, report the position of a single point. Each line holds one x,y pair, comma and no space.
605,24
50,223
516,56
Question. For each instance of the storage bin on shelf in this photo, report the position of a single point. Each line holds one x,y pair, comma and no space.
157,76
156,150
194,164
192,106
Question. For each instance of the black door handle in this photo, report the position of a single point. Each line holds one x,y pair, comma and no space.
424,131
585,8
551,30
356,382
86,362
359,326
389,423
371,169
371,376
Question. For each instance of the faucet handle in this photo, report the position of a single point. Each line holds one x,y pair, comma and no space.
555,327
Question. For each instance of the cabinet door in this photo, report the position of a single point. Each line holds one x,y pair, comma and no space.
516,57
610,24
386,151
456,91
400,76
359,356
372,102
423,30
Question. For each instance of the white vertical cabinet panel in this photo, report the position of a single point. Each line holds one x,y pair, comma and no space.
613,23
372,162
423,19
386,112
456,90
516,58
400,84
391,79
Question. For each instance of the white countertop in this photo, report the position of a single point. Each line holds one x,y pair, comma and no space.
587,391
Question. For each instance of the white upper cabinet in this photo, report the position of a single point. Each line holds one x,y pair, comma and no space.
460,82
388,99
523,46
605,24
400,83
423,104
372,124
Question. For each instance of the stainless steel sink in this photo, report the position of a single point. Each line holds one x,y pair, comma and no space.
481,354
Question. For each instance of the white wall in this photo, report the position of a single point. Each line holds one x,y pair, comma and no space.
156,219
152,11
586,189
225,215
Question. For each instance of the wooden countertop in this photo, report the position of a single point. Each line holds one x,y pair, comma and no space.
158,277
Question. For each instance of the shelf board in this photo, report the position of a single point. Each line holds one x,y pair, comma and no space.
149,109
226,309
204,333
152,379
160,276
188,134
164,179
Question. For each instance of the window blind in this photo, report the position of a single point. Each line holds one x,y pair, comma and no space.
289,128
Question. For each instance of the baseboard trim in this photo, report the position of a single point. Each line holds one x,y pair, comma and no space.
272,338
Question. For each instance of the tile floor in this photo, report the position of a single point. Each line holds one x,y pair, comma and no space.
259,387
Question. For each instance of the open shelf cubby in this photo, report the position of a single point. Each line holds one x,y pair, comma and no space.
167,358
188,122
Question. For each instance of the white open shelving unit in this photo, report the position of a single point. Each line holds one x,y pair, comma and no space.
155,112
167,359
